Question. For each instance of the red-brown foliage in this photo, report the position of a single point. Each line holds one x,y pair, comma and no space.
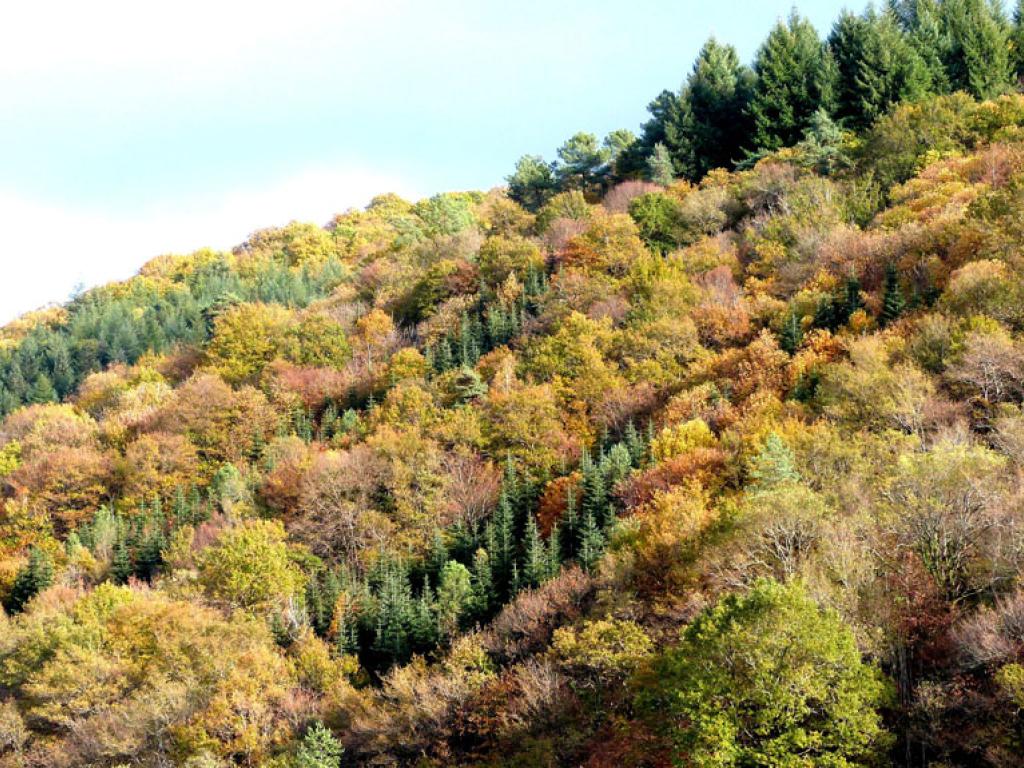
222,423
526,624
620,406
312,386
561,231
472,488
68,484
722,316
553,500
618,198
703,465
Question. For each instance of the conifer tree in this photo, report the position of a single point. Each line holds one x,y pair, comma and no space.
792,333
977,55
616,144
773,466
8,400
826,314
318,749
501,544
315,608
835,312
328,421
467,385
302,424
570,527
483,584
516,582
634,444
535,561
498,325
582,164
877,67
823,147
595,496
533,183
510,484
893,302
470,341
424,629
660,168
444,359
591,542
280,631
1017,42
149,554
36,576
394,612
17,384
663,128
62,374
199,511
121,565
795,77
346,637
852,301
554,551
437,556
330,591
617,464
715,122
42,390
920,20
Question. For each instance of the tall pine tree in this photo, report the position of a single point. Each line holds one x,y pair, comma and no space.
663,128
1017,42
792,333
921,21
795,77
877,67
535,556
893,302
977,53
592,542
715,124
36,576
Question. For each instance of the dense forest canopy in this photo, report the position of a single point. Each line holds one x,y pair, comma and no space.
697,447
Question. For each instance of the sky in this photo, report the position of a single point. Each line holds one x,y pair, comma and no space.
132,129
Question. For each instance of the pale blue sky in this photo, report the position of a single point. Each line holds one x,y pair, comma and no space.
127,131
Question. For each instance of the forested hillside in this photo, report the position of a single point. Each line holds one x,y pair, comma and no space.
703,448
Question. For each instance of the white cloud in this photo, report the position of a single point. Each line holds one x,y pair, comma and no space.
48,250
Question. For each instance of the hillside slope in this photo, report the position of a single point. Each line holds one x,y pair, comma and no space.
712,474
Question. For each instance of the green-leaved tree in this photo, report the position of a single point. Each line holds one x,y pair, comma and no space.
767,678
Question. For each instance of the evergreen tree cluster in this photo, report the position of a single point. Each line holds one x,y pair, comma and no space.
106,326
728,114
36,576
488,325
834,312
135,541
400,607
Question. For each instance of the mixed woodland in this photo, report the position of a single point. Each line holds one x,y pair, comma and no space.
701,446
